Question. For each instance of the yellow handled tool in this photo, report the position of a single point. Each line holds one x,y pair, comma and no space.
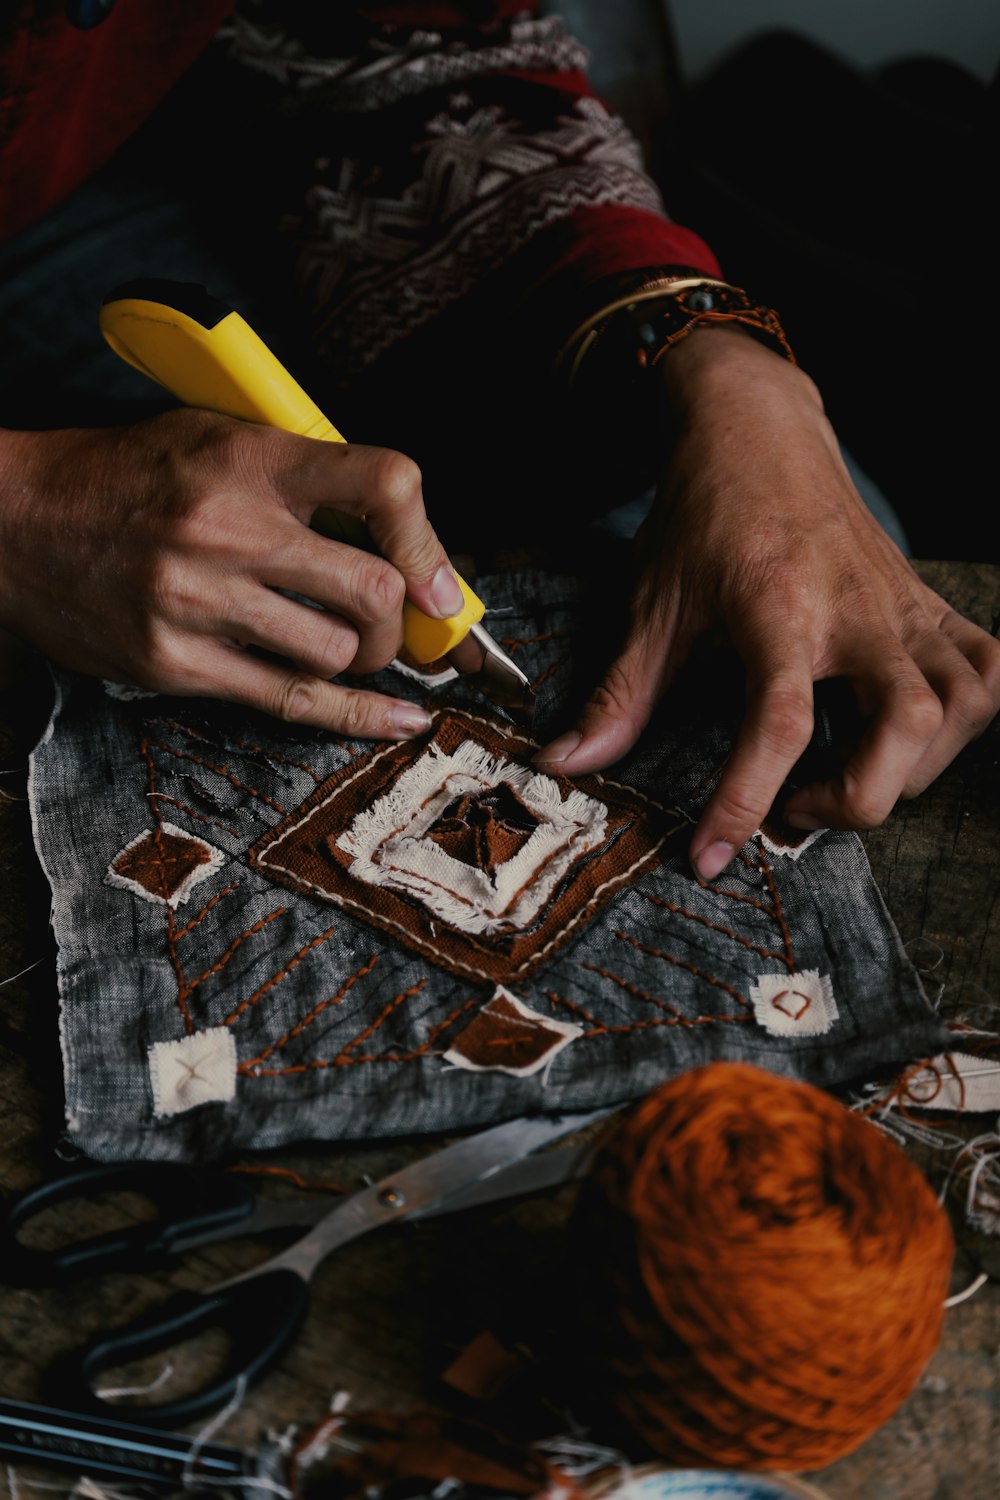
208,356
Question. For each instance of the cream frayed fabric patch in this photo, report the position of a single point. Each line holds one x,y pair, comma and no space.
507,1036
794,1004
164,864
480,841
198,1069
958,1081
459,848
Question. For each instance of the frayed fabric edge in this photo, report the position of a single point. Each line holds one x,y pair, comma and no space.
58,702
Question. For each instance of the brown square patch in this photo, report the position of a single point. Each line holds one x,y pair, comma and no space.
458,847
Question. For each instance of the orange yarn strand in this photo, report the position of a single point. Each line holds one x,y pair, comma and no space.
764,1272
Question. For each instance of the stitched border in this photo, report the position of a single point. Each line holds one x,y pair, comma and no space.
493,965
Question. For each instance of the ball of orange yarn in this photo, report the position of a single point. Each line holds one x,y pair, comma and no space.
763,1272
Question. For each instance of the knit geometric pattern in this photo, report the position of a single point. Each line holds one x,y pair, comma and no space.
433,158
388,940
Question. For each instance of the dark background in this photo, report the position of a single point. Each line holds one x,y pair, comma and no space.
859,201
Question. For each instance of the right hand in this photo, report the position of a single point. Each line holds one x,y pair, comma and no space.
152,555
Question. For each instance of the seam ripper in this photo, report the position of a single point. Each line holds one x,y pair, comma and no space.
208,356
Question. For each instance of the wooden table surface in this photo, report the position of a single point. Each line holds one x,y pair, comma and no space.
390,1314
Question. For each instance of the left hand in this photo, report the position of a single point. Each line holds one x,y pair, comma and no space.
758,527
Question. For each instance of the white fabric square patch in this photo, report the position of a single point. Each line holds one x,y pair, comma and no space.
197,1069
391,842
794,1004
506,1036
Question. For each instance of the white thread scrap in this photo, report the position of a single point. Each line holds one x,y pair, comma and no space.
213,860
800,1004
501,1014
390,841
426,679
955,1081
197,1069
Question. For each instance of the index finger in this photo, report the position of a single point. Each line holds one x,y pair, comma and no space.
391,489
384,489
776,729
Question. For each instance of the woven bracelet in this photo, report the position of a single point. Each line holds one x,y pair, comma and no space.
637,330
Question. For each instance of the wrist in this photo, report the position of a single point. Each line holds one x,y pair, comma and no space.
717,360
650,341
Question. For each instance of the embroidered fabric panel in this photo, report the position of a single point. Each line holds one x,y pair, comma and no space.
267,936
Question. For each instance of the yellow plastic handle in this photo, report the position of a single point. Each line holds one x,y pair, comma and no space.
226,367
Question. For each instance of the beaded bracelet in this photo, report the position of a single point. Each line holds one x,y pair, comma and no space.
639,328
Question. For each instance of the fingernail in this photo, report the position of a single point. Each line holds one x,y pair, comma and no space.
559,750
805,821
408,720
713,859
446,595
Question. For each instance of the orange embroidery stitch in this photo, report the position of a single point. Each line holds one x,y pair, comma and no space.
691,968
791,1010
307,1020
283,973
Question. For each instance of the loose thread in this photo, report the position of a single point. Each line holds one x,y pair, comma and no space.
305,1183
188,1477
113,1393
318,1440
21,972
969,1291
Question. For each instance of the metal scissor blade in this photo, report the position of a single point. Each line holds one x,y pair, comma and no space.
423,1184
482,662
533,1174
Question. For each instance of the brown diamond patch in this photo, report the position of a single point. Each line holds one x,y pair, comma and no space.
508,1037
455,845
164,864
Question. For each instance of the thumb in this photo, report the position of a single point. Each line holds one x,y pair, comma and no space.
620,707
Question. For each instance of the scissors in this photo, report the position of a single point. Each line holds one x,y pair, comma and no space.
263,1309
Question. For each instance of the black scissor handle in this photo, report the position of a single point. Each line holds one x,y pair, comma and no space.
194,1205
261,1315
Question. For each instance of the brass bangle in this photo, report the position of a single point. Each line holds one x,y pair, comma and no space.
649,321
593,327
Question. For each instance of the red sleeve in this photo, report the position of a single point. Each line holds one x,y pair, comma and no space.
69,97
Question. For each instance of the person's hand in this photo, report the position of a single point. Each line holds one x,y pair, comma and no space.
153,554
759,528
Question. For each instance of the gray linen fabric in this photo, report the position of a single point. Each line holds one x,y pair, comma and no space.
208,1008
